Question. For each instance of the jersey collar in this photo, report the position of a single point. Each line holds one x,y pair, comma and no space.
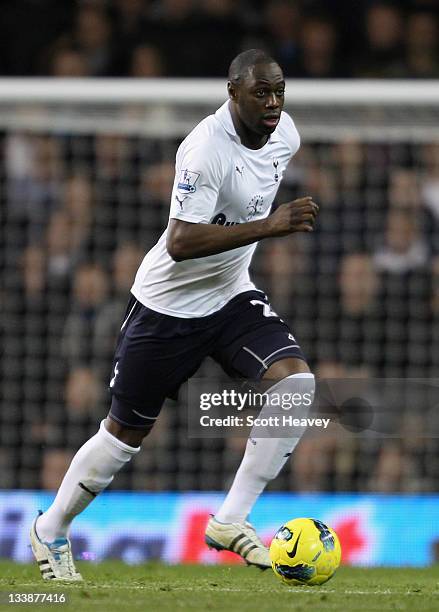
224,116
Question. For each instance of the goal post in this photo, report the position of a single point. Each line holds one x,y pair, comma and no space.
367,109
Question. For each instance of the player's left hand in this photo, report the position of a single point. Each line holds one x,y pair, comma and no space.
296,216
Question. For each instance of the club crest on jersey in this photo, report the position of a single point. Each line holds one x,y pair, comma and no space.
254,207
276,174
186,183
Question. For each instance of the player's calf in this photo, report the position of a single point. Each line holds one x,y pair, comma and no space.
90,472
264,457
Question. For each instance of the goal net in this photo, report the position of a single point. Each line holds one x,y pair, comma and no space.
86,172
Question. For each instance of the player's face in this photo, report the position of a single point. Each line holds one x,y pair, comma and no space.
260,98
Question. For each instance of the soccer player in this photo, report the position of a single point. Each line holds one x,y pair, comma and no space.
192,297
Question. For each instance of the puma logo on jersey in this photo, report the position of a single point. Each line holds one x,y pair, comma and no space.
180,201
239,170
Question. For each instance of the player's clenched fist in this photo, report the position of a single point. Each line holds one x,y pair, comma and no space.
296,216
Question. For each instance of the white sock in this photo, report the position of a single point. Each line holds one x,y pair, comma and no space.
91,471
263,459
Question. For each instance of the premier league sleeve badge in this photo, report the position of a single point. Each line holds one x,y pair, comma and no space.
187,180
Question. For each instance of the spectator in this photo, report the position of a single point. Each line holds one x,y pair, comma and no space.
78,203
92,34
130,20
282,265
422,45
403,190
82,394
146,61
34,273
358,284
390,469
116,193
130,15
404,249
282,24
360,325
331,369
384,43
25,29
24,326
126,260
435,287
68,62
402,262
34,173
90,290
218,22
318,58
59,248
430,193
433,329
112,155
132,27
351,161
155,191
195,37
157,181
174,10
176,22
430,184
312,464
67,232
55,463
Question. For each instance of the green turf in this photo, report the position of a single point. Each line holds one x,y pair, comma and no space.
115,586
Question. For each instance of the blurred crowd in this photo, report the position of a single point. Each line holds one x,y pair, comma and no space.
198,38
78,212
361,294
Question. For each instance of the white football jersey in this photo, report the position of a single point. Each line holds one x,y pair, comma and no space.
217,180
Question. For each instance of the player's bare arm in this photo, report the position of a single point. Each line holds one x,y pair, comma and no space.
192,240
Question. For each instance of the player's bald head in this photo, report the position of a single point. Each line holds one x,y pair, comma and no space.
243,64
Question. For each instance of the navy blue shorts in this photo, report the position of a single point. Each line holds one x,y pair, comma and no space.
157,353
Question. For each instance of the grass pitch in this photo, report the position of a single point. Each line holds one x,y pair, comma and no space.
154,587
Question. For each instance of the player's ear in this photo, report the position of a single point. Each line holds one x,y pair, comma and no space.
232,91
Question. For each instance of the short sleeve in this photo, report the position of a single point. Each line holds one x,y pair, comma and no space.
295,140
290,133
198,179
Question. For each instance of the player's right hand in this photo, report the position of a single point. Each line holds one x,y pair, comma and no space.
296,216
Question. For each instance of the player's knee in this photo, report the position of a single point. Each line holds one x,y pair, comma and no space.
132,437
293,395
298,397
130,422
289,366
296,392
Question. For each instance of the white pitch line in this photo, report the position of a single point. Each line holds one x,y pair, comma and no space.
201,588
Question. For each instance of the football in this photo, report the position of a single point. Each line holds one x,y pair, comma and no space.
305,551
